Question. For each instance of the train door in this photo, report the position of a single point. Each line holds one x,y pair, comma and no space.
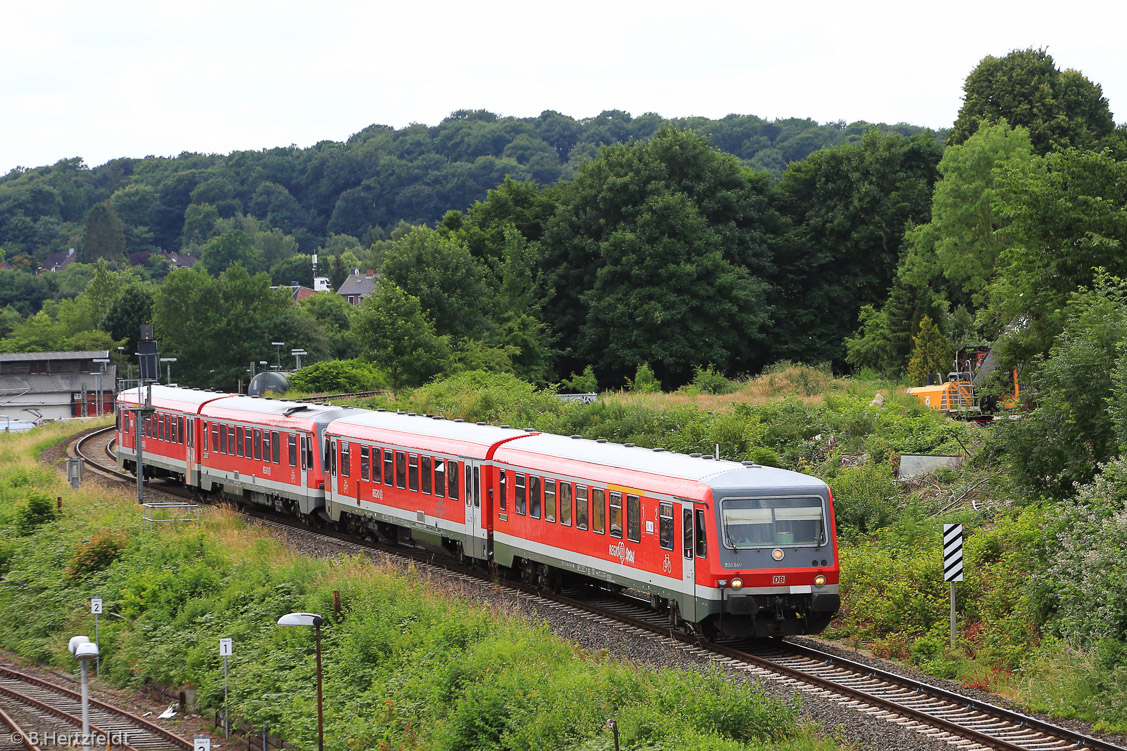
688,564
475,528
188,439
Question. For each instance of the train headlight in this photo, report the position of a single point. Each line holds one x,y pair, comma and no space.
820,580
777,554
737,583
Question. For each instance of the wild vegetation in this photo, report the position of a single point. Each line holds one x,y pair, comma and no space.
412,662
713,293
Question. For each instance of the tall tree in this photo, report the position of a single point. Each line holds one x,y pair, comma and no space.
440,272
195,312
105,234
846,210
1026,88
1067,217
602,218
397,336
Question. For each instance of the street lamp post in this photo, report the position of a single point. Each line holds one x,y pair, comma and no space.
84,651
168,360
297,353
311,619
279,345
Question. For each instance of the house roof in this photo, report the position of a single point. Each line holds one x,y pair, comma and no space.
58,261
31,356
358,284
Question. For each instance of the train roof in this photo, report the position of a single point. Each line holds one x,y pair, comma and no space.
172,398
275,412
634,464
424,432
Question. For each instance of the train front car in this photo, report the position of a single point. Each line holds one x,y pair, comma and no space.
774,571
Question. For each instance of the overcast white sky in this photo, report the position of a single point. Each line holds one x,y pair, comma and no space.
106,79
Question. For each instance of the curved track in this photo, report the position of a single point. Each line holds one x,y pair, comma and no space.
47,708
935,712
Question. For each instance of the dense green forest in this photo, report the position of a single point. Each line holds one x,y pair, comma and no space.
549,247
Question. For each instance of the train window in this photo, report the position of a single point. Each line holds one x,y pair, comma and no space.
759,522
377,462
534,496
365,463
231,439
565,503
519,491
306,453
616,514
633,518
181,435
581,507
665,525
345,458
169,427
413,472
504,486
258,444
476,487
266,445
549,500
248,441
452,480
388,467
223,439
239,441
598,511
702,538
327,458
215,437
687,531
291,444
400,469
469,484
440,477
276,448
117,423
428,475
160,427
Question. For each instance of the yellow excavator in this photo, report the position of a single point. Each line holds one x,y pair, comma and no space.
962,395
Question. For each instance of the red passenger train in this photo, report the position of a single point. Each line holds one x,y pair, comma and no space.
731,548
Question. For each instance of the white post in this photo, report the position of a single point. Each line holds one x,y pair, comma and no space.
225,650
952,615
96,609
85,706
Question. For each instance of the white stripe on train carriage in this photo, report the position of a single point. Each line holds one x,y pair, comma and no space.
627,572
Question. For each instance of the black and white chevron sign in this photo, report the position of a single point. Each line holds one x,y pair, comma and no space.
952,552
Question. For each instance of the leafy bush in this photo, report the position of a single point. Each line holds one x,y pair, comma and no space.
645,382
708,380
866,498
580,383
96,554
337,376
39,510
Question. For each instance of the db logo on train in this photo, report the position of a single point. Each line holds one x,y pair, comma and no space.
779,580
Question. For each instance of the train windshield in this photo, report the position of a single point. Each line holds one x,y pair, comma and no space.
760,522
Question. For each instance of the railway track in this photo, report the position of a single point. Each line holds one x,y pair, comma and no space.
934,712
41,713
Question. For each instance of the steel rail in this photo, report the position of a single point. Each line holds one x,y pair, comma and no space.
25,739
54,711
140,722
